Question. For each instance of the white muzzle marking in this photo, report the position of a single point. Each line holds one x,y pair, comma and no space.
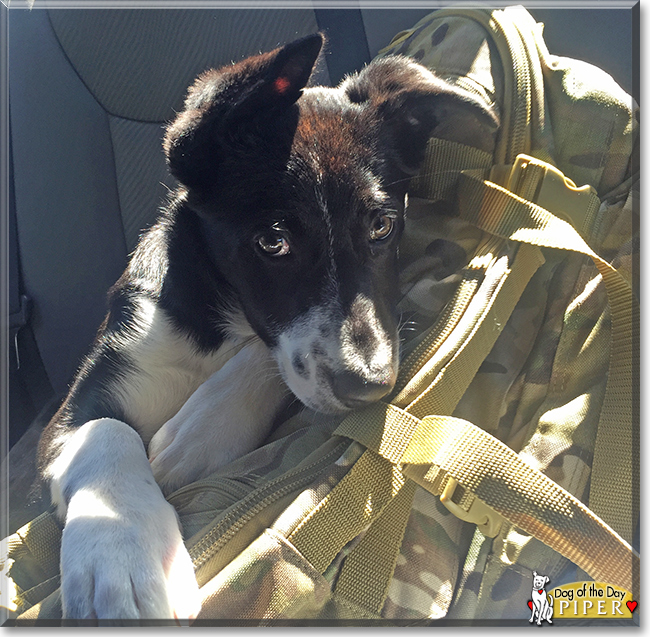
322,343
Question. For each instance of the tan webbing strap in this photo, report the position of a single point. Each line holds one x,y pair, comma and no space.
616,462
42,537
444,447
433,183
31,565
451,382
348,509
368,569
384,429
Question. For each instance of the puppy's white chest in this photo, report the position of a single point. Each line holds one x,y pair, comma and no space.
165,369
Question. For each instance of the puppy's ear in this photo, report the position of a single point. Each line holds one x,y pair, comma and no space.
222,103
534,573
414,105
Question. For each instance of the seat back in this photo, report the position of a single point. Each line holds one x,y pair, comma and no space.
91,91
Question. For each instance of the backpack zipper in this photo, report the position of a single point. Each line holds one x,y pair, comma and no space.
255,502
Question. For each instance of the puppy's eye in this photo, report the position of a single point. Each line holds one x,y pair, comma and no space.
273,244
381,227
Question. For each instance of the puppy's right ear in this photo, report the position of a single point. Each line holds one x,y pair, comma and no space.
224,105
414,104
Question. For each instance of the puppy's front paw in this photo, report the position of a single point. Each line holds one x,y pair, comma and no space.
183,455
127,563
228,416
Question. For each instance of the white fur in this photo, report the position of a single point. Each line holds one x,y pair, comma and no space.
336,352
167,368
300,339
122,553
227,416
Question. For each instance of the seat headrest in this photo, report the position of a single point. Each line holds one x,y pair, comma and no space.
139,63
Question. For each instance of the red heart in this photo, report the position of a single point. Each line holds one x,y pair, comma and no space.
530,604
632,605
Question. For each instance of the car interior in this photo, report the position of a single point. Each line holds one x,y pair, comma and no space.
90,91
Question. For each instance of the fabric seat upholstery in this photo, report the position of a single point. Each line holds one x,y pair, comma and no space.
90,93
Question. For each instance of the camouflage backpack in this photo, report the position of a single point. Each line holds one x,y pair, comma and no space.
511,441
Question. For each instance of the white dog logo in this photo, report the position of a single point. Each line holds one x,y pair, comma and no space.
542,603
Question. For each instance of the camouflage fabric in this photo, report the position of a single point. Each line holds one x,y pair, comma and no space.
540,390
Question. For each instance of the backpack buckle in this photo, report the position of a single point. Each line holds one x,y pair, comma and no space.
545,185
486,519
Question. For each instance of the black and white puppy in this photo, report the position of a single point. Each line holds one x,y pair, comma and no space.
272,273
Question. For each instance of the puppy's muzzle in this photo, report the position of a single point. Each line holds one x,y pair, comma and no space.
354,390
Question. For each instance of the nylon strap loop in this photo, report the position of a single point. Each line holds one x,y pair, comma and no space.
443,446
348,509
616,462
383,428
368,570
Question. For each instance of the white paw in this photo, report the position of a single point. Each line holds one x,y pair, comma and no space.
122,554
203,444
228,416
125,564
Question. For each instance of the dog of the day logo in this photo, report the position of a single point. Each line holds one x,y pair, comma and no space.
579,600
541,603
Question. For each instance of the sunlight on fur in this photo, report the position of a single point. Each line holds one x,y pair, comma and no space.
87,504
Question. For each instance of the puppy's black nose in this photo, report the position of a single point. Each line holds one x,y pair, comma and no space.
355,391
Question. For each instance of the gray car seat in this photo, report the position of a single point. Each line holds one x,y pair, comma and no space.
90,93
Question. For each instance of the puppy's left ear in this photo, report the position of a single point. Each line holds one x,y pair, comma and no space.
228,104
414,104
